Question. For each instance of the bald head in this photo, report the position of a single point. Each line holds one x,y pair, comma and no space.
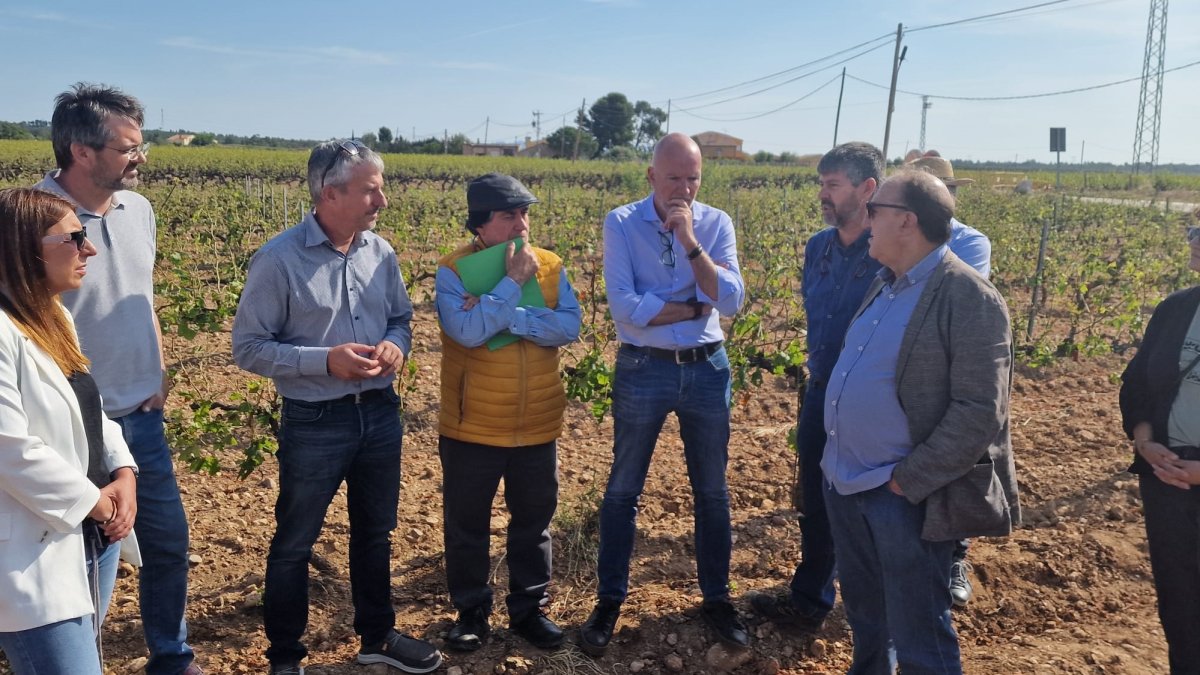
673,145
674,174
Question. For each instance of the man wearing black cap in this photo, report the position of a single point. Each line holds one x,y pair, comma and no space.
501,414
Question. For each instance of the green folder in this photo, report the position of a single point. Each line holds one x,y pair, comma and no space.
480,272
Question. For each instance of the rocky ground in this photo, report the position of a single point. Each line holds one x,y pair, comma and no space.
1069,592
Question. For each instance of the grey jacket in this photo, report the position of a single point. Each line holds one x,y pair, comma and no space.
953,377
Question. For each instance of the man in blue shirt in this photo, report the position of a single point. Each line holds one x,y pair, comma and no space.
916,416
837,272
326,316
671,272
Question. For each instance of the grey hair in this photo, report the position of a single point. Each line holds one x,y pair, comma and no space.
80,115
343,165
859,161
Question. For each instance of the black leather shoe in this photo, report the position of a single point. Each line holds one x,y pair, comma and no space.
597,631
538,630
723,618
470,630
781,611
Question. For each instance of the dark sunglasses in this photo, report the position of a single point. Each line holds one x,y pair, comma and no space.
872,207
667,257
1193,233
78,236
351,148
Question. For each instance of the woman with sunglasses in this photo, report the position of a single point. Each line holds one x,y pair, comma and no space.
66,476
1160,410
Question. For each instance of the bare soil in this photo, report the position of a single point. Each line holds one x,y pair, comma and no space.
1069,592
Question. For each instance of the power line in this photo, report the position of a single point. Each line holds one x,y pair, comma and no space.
986,16
1022,96
828,82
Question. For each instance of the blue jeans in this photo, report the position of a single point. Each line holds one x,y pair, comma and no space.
812,584
320,445
162,531
104,574
64,647
645,390
894,584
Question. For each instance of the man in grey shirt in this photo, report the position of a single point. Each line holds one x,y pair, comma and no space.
326,316
97,137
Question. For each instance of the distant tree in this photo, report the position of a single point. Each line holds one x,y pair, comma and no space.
623,153
385,138
787,157
763,157
648,122
454,144
370,140
204,138
610,120
12,130
562,141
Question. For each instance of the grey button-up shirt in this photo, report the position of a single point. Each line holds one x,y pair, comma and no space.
303,297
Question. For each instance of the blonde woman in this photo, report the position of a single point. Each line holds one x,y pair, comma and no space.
67,480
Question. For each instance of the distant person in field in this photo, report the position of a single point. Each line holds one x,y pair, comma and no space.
837,272
671,272
1160,411
326,316
918,454
501,414
97,136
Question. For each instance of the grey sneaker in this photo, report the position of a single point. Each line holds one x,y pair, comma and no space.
403,652
287,669
961,590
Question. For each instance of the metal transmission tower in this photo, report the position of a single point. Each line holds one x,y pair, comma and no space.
925,106
1145,140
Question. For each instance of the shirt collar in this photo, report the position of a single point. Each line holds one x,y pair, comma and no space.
649,214
918,273
315,236
51,183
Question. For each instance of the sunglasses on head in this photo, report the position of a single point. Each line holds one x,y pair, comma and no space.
78,236
351,148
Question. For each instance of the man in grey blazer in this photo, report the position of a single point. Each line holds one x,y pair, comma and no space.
916,413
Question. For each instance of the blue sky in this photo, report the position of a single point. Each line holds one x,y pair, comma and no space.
321,70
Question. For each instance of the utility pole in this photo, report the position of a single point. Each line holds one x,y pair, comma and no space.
925,106
899,56
1145,139
578,129
837,120
445,141
487,124
668,116
537,124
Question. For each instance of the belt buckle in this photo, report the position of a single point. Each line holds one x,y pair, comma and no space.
678,358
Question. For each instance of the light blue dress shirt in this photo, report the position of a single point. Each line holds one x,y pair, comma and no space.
866,429
303,297
498,311
640,282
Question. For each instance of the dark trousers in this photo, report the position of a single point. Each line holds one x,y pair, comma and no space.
321,445
1173,533
471,473
812,583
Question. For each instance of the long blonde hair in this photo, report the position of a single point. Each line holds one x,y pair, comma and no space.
25,216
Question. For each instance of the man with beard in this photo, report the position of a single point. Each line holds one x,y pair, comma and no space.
97,136
837,272
326,316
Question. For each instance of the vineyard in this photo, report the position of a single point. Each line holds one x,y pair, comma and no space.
1067,593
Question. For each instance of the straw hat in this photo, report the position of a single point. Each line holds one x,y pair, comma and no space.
941,168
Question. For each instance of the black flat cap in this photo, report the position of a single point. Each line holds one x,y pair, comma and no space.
497,192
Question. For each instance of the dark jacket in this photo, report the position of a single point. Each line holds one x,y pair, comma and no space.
1151,380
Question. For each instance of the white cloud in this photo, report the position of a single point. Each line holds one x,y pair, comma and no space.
292,55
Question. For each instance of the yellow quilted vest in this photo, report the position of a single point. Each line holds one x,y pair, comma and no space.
509,397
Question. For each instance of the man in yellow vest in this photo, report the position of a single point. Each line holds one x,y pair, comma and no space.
501,414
